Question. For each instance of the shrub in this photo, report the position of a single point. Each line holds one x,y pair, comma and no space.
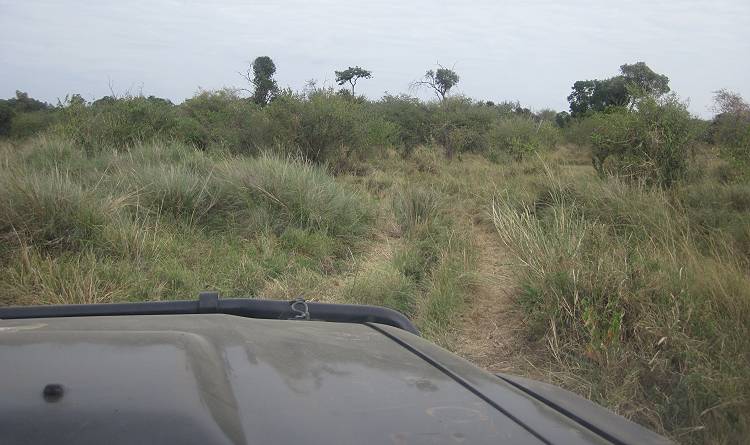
411,119
731,126
380,134
578,131
323,128
520,136
116,123
651,144
459,125
224,119
732,133
28,124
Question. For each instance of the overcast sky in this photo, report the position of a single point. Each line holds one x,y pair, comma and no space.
526,50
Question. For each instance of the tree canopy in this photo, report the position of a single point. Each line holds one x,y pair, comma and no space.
22,103
643,81
262,79
351,75
440,81
730,102
634,82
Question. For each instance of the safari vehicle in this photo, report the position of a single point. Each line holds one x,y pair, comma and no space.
244,371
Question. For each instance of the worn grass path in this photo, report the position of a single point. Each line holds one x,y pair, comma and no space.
490,333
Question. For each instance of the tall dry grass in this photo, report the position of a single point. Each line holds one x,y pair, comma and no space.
639,308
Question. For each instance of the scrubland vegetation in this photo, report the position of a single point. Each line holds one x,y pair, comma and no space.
628,221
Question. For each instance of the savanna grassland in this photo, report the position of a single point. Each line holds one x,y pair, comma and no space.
606,252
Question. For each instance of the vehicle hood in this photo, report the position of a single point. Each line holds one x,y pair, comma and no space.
213,378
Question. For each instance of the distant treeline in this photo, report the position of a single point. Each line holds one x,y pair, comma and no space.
617,117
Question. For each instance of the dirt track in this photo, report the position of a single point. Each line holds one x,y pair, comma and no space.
489,335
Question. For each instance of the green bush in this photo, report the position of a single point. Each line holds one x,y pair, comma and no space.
116,123
578,131
320,125
222,118
29,124
651,144
325,127
460,126
520,137
411,119
731,132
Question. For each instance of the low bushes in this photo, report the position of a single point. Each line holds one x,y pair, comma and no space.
109,123
319,124
326,127
410,118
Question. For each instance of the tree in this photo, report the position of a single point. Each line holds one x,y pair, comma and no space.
440,81
598,95
351,75
22,103
580,98
642,81
731,125
262,79
729,102
635,82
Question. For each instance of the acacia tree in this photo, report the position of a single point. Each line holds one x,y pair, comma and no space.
440,81
351,75
260,75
